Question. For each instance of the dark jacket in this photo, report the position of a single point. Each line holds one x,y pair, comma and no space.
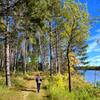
38,80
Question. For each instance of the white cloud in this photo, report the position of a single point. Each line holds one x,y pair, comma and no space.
97,50
94,60
94,38
98,31
94,64
91,47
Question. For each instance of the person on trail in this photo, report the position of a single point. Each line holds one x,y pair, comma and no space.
38,82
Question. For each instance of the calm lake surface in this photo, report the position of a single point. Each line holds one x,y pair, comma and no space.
91,76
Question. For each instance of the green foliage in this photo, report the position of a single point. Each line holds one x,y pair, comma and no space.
2,82
98,84
58,89
32,96
18,83
7,94
10,93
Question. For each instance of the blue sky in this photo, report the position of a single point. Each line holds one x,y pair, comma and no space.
94,48
93,8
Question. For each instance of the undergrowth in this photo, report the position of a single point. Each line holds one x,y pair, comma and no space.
58,89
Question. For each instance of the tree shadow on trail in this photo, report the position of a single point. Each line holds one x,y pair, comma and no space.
28,90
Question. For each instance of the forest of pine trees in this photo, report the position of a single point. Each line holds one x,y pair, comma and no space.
42,35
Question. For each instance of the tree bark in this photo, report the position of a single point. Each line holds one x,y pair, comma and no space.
25,57
57,53
7,62
41,51
68,64
0,64
50,52
57,66
15,61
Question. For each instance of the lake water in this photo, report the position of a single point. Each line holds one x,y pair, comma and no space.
92,76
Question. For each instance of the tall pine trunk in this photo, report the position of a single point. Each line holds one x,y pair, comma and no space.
57,53
50,51
68,64
57,66
41,51
0,64
7,62
15,60
50,60
25,57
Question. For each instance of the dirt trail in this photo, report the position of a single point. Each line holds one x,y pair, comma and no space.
31,89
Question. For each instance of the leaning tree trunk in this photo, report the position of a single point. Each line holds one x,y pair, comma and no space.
7,62
68,64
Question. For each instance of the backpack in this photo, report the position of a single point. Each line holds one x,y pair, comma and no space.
40,80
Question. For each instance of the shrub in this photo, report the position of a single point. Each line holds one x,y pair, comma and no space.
58,90
57,87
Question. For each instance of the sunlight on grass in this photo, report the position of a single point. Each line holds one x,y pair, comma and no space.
55,89
32,96
8,94
81,90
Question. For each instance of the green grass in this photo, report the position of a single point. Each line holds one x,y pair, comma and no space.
55,89
32,96
58,89
9,94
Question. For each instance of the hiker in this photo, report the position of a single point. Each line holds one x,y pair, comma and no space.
38,82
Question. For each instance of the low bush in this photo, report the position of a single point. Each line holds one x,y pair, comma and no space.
58,90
